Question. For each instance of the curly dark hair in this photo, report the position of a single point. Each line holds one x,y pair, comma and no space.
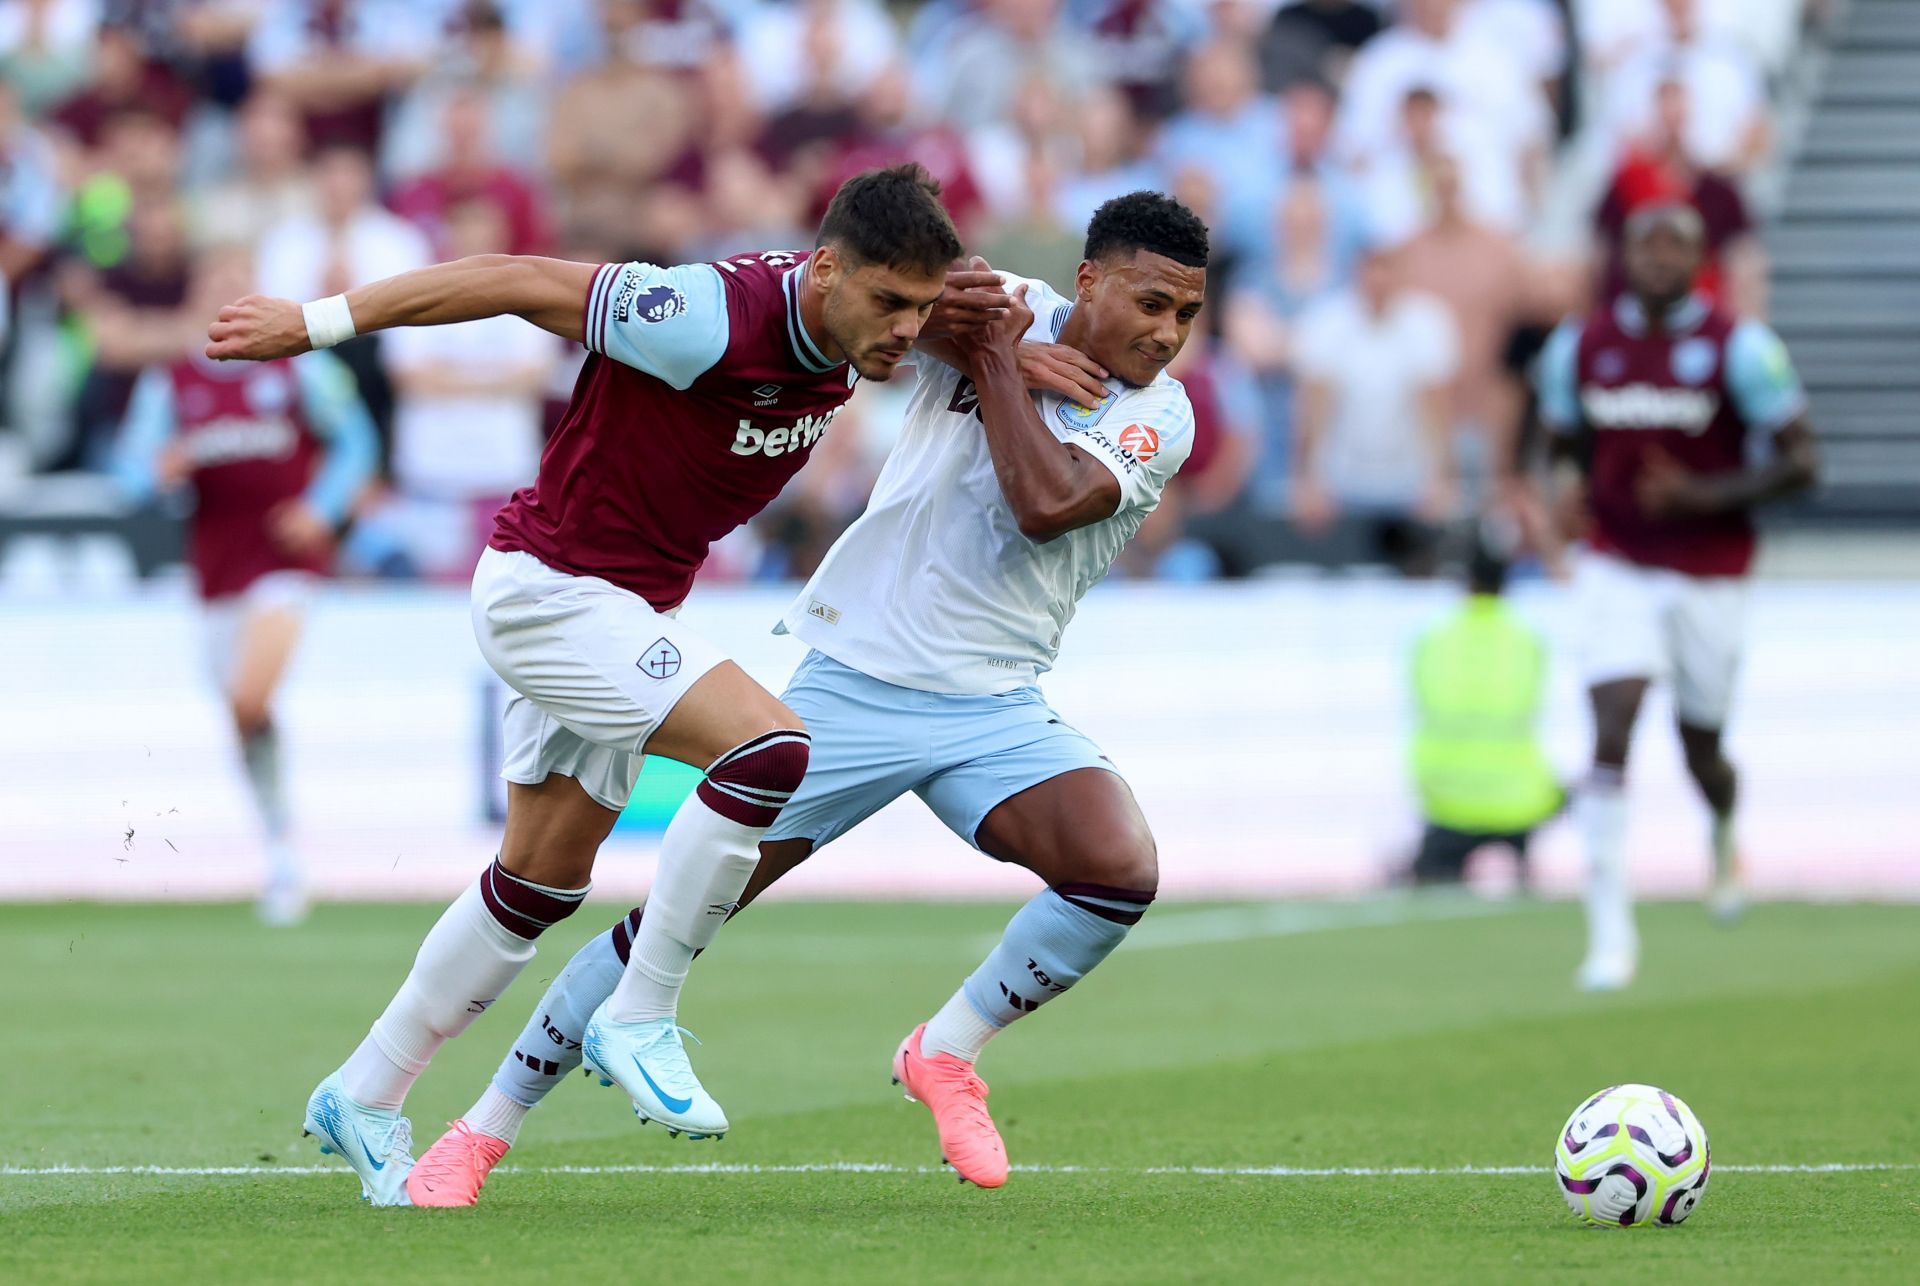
1150,221
891,216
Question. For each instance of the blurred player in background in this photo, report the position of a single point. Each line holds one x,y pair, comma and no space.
274,456
931,620
1658,403
706,389
1479,681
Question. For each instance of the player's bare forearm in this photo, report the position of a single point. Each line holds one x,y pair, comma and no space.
1053,487
1795,468
550,293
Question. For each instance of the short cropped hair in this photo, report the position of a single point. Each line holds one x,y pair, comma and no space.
891,216
1150,221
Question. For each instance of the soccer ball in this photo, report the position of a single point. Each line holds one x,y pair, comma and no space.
1632,1155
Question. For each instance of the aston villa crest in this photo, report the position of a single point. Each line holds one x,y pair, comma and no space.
1077,416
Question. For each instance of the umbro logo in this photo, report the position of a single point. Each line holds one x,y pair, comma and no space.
723,908
766,395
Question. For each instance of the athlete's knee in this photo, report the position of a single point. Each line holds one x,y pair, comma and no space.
1127,860
251,713
1703,748
751,783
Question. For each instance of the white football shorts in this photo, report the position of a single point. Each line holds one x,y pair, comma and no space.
224,620
1653,622
594,670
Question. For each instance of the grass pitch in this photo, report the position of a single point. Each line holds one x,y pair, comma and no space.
1218,1043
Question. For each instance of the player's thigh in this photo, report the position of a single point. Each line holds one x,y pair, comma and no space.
554,830
1024,786
1618,610
267,638
595,657
723,709
1707,627
870,746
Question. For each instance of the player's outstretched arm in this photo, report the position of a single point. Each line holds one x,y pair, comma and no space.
1053,487
550,293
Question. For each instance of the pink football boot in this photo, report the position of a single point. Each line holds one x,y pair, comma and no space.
455,1168
958,1100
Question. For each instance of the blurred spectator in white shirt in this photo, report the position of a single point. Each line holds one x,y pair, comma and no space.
790,49
1534,32
1499,106
974,78
1728,125
484,62
1398,186
340,60
467,415
348,241
1376,364
270,184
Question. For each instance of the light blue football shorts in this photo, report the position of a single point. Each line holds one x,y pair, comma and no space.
964,755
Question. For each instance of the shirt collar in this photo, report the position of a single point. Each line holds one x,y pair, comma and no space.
1682,317
805,351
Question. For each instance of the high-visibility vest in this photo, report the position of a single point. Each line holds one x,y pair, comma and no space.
1478,679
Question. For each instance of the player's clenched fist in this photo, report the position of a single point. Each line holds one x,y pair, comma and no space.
1002,333
258,329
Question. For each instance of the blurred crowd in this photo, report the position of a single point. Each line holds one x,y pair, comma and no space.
1377,177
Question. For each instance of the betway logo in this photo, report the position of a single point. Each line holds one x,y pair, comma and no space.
751,440
1645,406
232,438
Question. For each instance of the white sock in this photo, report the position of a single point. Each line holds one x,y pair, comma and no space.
1602,809
497,1115
705,863
958,1029
1725,846
464,964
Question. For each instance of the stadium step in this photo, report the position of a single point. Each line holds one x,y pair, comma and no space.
1846,263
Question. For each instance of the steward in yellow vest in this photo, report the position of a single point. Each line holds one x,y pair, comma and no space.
1478,681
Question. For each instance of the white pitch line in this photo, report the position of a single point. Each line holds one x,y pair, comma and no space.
1182,928
863,1167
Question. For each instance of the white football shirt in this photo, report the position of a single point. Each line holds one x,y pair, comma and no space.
934,587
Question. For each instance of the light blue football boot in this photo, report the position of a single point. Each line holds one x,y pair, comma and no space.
648,1062
377,1144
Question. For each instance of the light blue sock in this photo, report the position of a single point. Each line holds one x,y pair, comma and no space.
549,1046
1051,943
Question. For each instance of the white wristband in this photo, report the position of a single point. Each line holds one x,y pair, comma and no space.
329,321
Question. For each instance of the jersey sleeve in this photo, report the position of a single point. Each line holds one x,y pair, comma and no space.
1050,307
1143,442
669,322
144,434
1556,379
1765,388
331,403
